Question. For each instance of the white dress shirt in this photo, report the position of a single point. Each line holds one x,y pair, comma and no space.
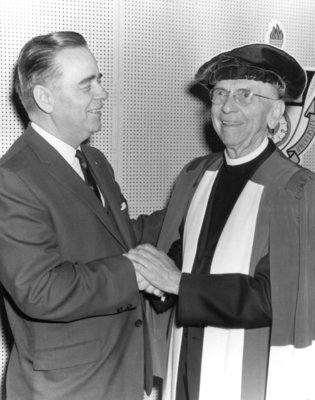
64,149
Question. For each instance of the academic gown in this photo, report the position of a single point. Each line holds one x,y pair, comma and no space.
280,198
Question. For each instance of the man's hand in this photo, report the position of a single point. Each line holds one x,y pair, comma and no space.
156,267
143,283
145,286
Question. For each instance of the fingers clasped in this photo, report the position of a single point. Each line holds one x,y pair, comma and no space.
156,267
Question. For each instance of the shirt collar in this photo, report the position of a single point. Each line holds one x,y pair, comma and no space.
248,157
64,149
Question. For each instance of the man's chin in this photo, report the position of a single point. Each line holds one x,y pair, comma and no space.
95,129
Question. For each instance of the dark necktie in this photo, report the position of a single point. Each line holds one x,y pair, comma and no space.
89,179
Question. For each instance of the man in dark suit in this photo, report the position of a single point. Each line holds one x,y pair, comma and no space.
71,295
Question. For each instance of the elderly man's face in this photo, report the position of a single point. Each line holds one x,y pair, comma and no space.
242,128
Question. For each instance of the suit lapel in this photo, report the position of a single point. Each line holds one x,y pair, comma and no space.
62,172
111,193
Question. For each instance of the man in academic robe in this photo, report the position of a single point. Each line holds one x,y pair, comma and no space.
241,227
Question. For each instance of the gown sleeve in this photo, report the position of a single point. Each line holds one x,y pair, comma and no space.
226,300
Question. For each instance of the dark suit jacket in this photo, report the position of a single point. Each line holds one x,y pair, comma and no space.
71,296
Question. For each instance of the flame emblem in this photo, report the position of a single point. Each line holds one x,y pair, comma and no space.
275,34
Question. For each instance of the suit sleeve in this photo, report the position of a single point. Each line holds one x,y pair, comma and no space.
226,300
39,281
147,227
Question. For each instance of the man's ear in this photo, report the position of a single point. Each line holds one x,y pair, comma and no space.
276,113
43,98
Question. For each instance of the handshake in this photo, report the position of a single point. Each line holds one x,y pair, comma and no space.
156,273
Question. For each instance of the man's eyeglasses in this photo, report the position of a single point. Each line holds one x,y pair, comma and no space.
242,97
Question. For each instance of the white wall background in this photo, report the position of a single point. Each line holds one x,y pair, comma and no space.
148,52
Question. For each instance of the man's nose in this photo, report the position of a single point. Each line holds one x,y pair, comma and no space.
229,103
103,94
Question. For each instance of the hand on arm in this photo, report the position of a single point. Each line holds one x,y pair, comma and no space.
156,267
145,286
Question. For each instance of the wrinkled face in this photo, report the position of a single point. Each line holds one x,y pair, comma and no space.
242,128
78,96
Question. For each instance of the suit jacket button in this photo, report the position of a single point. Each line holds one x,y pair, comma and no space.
138,323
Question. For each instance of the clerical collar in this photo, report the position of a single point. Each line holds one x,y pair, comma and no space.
249,157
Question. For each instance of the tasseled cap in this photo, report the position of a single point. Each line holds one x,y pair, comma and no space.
257,61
